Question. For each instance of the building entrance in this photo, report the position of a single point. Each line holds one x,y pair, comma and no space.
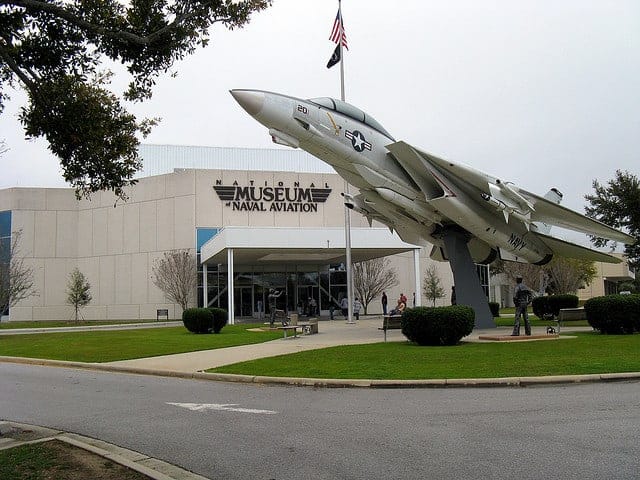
243,301
324,284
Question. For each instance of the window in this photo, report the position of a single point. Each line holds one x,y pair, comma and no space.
350,111
203,235
5,224
483,275
5,246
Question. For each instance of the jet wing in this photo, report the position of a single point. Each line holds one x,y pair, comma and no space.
405,153
554,214
417,162
414,164
466,176
566,249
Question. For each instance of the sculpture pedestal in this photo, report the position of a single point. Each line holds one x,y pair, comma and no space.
469,291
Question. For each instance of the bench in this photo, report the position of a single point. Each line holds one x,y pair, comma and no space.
290,328
390,322
310,327
570,315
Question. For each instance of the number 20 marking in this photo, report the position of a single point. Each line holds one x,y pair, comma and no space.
303,109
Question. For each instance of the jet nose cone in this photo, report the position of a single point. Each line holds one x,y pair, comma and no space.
251,100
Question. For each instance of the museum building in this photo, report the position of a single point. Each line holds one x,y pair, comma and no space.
254,219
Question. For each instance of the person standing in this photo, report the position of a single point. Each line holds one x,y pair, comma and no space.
356,308
344,306
453,295
260,308
384,303
272,298
521,298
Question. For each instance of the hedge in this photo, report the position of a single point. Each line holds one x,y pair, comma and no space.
220,317
437,325
198,320
547,306
614,314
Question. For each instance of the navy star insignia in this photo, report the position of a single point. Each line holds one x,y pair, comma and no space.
358,142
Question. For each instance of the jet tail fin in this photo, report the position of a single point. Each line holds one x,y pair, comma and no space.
554,196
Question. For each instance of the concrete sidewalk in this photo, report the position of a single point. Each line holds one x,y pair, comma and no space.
331,333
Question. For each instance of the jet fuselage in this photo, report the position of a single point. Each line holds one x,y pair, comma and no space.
418,195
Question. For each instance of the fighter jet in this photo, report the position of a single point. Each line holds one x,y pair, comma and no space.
466,215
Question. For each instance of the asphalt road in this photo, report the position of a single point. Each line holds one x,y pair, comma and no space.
234,431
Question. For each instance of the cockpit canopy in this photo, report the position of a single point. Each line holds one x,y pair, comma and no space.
351,112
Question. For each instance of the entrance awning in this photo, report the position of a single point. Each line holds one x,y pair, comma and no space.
275,245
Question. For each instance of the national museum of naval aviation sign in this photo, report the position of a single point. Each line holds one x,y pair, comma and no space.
267,198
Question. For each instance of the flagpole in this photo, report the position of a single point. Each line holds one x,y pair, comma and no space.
347,211
341,54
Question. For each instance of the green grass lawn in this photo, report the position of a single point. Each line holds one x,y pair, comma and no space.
66,323
108,346
588,353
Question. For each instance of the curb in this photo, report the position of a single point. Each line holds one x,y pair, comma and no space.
151,467
338,383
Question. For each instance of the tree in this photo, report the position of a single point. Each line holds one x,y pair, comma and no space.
567,275
16,277
175,275
432,285
54,50
618,204
78,288
627,287
533,276
371,278
560,275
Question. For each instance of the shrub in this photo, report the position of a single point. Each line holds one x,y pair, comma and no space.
495,309
220,317
547,306
198,320
540,306
437,325
556,302
614,314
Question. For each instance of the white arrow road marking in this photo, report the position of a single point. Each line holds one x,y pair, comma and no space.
226,407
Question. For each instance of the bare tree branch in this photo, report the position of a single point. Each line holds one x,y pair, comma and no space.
371,278
175,275
16,277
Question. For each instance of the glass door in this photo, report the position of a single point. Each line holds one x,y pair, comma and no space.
242,301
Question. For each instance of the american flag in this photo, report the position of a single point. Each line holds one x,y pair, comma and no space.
338,33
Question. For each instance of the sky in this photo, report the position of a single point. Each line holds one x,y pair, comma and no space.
542,93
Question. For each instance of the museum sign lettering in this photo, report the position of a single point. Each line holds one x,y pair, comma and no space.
268,198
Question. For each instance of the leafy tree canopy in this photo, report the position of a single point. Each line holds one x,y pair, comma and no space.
618,204
54,48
